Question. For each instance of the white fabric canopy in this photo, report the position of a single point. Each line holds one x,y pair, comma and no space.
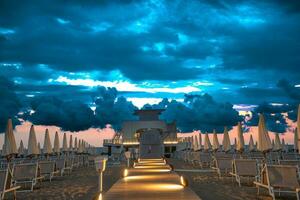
284,147
240,138
226,141
200,141
251,144
47,149
32,142
39,148
65,144
196,142
75,145
277,145
71,143
264,142
56,143
216,144
207,144
298,125
10,146
21,149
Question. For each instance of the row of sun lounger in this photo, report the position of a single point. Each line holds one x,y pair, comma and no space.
282,177
23,176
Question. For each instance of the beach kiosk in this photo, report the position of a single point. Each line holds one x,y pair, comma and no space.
148,136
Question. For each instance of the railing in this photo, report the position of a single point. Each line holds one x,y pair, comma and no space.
134,141
112,141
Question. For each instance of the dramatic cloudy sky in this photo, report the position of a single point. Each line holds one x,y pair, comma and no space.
242,52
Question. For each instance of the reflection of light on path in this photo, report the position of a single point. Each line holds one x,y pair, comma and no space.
100,196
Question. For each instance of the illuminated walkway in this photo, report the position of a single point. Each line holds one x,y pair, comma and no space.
150,179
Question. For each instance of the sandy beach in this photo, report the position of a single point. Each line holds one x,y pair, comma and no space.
82,184
208,186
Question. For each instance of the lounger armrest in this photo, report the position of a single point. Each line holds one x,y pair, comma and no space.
40,177
232,174
260,184
13,188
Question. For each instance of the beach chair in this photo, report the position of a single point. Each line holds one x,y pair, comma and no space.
48,169
222,166
289,156
204,159
273,157
68,165
279,178
293,163
6,185
256,155
60,166
244,168
26,173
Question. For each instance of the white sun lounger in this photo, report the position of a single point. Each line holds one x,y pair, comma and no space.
223,166
26,173
6,183
244,168
48,169
280,179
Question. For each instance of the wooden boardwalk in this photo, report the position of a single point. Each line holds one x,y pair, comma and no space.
150,179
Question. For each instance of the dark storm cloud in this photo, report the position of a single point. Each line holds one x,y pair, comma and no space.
76,115
200,112
241,41
111,109
9,103
273,114
289,89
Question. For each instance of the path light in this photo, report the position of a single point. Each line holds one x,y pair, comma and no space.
183,181
125,173
128,156
100,164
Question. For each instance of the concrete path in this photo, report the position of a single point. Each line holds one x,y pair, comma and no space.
150,179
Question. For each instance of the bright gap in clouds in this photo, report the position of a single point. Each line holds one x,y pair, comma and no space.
140,102
125,86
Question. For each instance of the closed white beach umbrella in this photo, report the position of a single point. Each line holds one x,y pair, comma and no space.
75,145
79,146
56,143
196,142
32,143
39,148
21,149
234,144
207,144
9,140
65,144
200,141
298,126
277,145
240,139
296,139
191,142
226,141
3,153
216,144
47,149
264,141
251,144
71,143
284,147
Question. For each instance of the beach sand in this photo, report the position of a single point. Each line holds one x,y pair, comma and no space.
208,186
81,184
